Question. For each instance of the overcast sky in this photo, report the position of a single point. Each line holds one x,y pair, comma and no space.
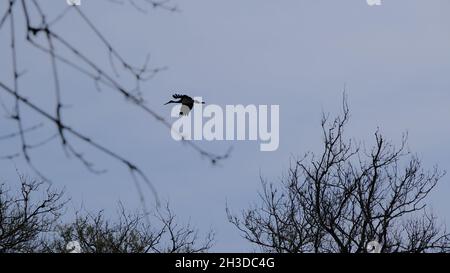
394,60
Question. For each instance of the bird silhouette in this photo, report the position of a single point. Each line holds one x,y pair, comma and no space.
187,103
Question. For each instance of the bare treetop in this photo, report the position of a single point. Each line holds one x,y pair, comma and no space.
346,198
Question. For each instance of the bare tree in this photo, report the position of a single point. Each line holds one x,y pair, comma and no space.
131,233
346,197
25,218
30,27
30,222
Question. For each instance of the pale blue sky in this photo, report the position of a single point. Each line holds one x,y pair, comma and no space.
394,60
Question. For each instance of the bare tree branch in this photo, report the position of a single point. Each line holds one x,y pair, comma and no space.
41,34
346,197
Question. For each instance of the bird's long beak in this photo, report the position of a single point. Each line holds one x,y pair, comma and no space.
167,102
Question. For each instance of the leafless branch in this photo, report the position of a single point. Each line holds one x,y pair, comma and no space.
346,197
41,35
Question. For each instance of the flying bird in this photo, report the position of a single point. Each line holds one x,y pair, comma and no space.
187,103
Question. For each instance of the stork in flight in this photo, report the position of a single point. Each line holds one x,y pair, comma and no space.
187,103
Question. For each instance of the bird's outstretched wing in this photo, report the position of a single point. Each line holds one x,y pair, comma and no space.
179,96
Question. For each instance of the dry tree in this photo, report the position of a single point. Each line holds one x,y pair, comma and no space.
28,215
30,222
128,233
346,199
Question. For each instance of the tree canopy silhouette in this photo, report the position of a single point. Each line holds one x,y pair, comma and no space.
346,197
30,222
